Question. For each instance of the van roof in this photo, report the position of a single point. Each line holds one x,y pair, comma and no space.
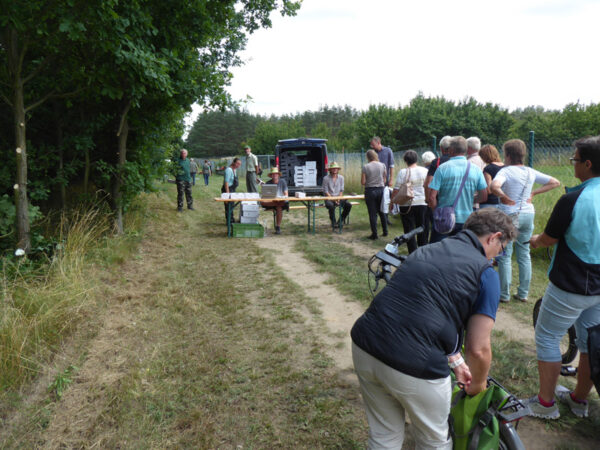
300,142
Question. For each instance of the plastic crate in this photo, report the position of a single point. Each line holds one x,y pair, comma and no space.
252,230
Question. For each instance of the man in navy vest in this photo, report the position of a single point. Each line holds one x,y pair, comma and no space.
573,293
410,337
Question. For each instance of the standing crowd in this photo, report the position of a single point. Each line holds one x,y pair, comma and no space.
475,210
418,329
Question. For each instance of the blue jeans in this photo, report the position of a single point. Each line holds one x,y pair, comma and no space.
206,175
521,245
560,309
193,174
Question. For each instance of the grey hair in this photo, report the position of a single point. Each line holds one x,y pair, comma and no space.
491,220
474,143
458,146
445,142
427,157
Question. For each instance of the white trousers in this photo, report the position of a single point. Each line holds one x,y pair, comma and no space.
388,394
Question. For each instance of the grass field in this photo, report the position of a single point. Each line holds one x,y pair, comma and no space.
185,338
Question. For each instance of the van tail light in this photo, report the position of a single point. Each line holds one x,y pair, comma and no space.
326,162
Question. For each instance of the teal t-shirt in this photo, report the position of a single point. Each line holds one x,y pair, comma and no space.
447,180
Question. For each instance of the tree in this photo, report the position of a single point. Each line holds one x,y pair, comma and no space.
132,68
30,33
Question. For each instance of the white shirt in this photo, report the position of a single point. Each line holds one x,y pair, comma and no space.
417,178
517,183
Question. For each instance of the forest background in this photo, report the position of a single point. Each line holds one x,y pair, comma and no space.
223,133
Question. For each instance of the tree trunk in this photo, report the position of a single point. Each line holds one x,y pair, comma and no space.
21,202
61,156
15,61
86,170
86,173
121,160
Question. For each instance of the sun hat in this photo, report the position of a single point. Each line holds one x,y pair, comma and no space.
273,171
334,165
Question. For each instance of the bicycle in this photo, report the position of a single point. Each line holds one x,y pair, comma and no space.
381,266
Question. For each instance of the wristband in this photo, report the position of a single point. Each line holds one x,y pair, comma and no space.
456,363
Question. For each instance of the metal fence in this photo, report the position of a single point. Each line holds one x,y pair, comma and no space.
550,157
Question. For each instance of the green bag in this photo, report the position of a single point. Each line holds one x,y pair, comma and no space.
473,421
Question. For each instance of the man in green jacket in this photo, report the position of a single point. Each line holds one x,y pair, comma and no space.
184,181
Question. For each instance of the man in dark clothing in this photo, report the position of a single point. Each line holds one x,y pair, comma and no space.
410,337
184,182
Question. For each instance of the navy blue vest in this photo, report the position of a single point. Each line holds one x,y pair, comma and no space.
416,320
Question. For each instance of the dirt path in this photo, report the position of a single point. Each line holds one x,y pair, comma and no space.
340,313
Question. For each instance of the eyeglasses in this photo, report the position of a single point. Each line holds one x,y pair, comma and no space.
503,249
574,160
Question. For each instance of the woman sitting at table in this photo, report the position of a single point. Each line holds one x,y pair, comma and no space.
277,205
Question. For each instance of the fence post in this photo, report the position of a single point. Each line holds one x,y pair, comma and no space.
345,160
531,147
362,157
434,146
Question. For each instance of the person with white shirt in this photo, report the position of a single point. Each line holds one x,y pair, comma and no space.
413,213
513,185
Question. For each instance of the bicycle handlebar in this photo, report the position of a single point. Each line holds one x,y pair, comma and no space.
408,236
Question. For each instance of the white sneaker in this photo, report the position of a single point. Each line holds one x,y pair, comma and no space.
538,410
564,395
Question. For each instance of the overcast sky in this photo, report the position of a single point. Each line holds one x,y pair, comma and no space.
336,52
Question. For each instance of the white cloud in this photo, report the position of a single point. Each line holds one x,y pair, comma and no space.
515,53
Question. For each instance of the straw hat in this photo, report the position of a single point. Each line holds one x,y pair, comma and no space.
334,165
273,171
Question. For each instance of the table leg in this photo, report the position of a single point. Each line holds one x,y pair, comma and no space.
230,207
314,213
229,227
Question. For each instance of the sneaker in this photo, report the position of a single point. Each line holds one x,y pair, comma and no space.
277,230
564,395
536,409
373,237
516,297
179,209
191,208
505,300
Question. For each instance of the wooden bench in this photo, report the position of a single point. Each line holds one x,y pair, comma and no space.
318,205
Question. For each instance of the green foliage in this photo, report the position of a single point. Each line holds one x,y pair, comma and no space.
8,221
95,69
61,382
269,132
220,133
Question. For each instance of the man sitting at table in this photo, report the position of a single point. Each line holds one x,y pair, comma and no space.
277,205
333,186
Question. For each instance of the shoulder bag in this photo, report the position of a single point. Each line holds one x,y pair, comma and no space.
405,193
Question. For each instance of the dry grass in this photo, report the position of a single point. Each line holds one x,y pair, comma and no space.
40,306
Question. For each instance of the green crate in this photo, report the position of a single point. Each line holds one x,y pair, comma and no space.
253,230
